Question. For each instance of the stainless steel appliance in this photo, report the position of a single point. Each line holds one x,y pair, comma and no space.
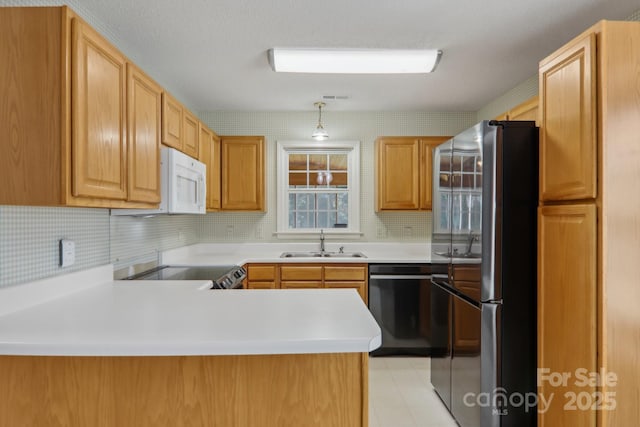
399,301
483,292
223,276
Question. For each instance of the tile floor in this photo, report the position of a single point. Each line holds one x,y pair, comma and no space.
401,395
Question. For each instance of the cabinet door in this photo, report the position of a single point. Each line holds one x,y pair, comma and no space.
191,134
171,122
210,156
144,100
568,115
98,143
426,162
398,174
213,179
566,307
242,173
361,287
427,145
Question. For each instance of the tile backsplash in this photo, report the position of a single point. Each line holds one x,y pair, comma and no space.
29,240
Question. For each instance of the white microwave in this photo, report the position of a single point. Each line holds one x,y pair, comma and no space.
183,187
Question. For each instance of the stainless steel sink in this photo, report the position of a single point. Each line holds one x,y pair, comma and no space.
322,255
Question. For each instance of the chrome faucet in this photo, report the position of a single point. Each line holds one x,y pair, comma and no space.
321,241
472,238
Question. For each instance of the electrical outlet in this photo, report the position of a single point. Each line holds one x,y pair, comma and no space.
67,250
407,232
229,230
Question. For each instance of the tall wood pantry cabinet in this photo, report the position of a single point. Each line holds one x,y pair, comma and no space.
589,227
60,146
403,168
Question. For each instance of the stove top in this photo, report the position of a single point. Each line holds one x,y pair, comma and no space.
222,276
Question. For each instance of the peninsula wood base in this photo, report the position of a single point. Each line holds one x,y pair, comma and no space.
259,390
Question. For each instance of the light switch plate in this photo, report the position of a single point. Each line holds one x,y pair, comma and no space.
67,253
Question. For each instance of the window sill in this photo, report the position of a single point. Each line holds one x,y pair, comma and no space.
330,234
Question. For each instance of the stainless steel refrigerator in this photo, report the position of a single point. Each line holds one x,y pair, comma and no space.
483,291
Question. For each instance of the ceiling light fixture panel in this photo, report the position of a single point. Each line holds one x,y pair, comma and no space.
353,61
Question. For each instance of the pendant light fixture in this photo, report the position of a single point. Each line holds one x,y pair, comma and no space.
320,134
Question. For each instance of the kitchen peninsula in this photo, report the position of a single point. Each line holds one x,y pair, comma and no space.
114,353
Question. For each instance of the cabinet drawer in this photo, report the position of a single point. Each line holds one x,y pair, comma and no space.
301,285
301,272
345,273
261,285
261,272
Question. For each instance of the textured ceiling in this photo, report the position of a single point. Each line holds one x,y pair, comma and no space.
212,53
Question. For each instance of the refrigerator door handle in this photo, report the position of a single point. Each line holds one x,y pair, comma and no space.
491,363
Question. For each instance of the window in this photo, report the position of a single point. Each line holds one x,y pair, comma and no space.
318,187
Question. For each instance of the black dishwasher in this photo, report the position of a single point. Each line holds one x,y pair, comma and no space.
400,300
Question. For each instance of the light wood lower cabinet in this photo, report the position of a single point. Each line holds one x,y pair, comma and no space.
305,276
567,331
288,390
262,276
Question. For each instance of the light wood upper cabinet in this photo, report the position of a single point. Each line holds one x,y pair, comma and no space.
210,156
242,164
528,110
171,122
426,168
190,133
403,172
144,100
568,136
64,96
99,120
567,305
398,177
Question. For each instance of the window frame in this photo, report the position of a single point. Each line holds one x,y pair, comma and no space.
352,150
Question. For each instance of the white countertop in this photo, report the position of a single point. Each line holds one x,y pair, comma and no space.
163,318
242,253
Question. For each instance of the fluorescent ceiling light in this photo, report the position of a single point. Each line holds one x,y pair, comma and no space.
353,61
